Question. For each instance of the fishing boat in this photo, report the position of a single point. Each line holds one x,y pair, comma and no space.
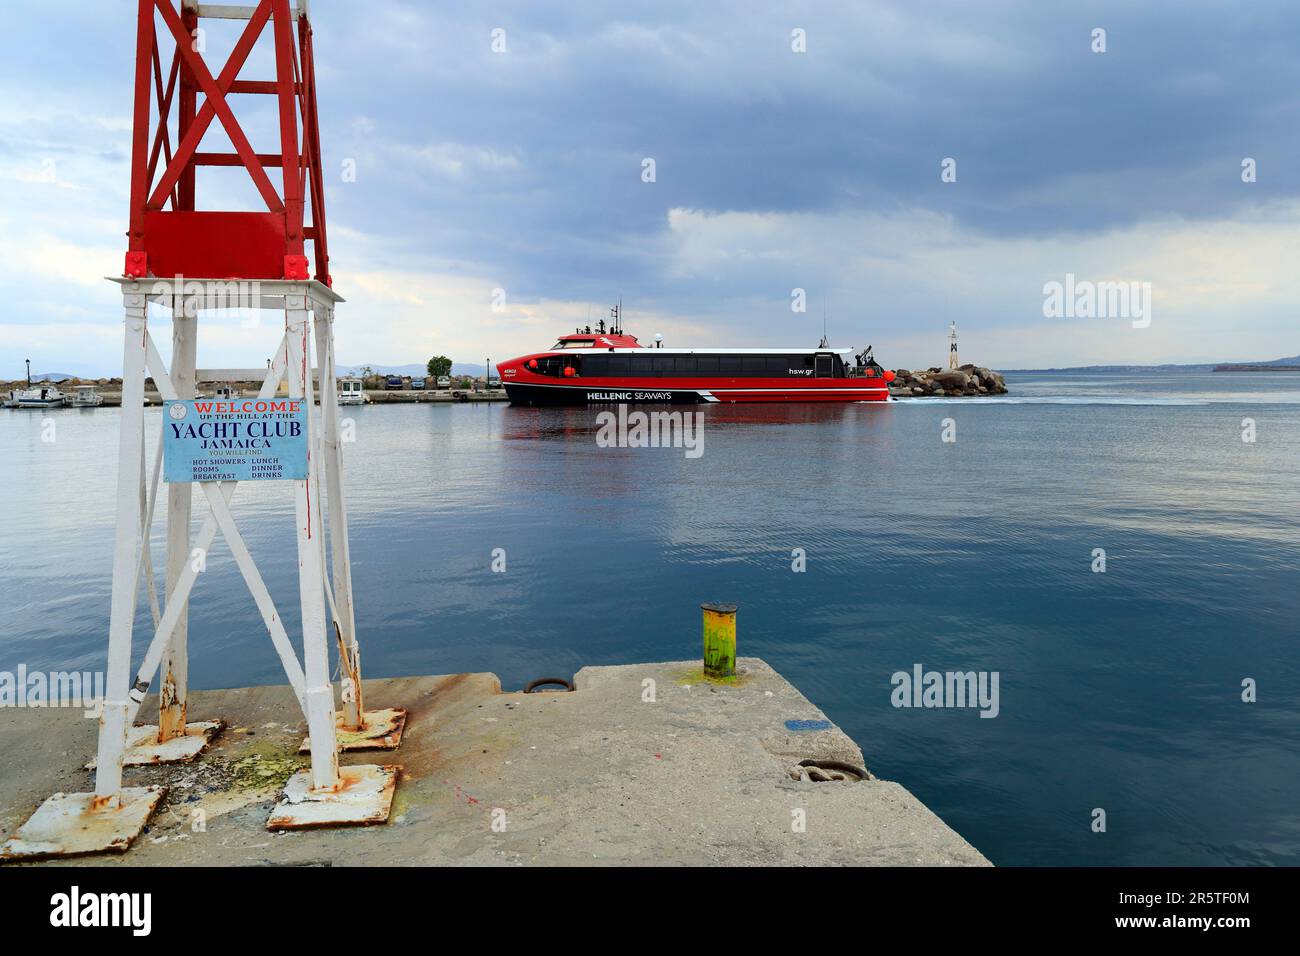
42,395
606,364
36,396
85,396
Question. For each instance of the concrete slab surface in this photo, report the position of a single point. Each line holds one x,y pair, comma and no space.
644,764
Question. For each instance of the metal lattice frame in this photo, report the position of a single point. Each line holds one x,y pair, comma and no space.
310,680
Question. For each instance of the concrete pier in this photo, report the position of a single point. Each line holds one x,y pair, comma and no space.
642,764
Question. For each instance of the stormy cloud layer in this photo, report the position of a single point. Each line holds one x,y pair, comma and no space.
522,169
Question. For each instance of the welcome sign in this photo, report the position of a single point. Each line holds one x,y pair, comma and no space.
241,439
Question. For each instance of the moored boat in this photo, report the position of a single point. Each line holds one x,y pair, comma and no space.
37,396
41,395
85,396
607,365
351,391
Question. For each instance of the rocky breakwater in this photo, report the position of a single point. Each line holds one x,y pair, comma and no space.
969,380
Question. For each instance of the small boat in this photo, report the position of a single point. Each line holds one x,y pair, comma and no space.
224,393
608,365
38,396
43,395
85,396
351,391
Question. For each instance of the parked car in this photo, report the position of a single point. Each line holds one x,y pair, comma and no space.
494,382
418,384
393,383
444,381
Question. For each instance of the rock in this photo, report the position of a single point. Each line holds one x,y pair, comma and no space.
953,379
969,381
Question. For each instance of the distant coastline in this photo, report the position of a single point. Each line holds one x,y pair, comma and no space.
1291,364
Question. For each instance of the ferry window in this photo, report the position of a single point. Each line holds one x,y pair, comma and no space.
729,364
573,344
685,365
752,364
620,364
707,363
595,365
641,365
778,365
663,364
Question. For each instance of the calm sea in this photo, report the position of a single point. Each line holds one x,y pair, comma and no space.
1118,690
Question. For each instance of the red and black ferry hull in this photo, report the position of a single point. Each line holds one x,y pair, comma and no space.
693,393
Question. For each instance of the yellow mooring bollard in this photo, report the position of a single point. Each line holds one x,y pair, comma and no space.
719,640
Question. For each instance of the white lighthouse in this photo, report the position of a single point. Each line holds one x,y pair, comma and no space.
953,361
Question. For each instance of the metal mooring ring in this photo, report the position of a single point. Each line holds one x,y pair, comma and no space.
859,772
544,681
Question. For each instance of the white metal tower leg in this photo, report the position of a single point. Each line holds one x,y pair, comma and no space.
353,707
327,794
173,740
174,689
315,650
359,729
113,723
110,818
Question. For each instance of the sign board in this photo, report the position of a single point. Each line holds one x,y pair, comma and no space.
235,439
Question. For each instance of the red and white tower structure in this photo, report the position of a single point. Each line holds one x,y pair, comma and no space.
191,259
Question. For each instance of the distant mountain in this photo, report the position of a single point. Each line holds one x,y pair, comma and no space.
457,368
1118,368
1207,367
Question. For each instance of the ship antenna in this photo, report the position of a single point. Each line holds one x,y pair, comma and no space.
825,340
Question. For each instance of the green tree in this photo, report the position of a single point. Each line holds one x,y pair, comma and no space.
439,366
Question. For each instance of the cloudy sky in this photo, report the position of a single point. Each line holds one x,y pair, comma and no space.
522,169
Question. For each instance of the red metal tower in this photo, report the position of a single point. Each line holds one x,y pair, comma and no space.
169,234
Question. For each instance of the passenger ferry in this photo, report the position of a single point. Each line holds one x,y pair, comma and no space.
607,365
